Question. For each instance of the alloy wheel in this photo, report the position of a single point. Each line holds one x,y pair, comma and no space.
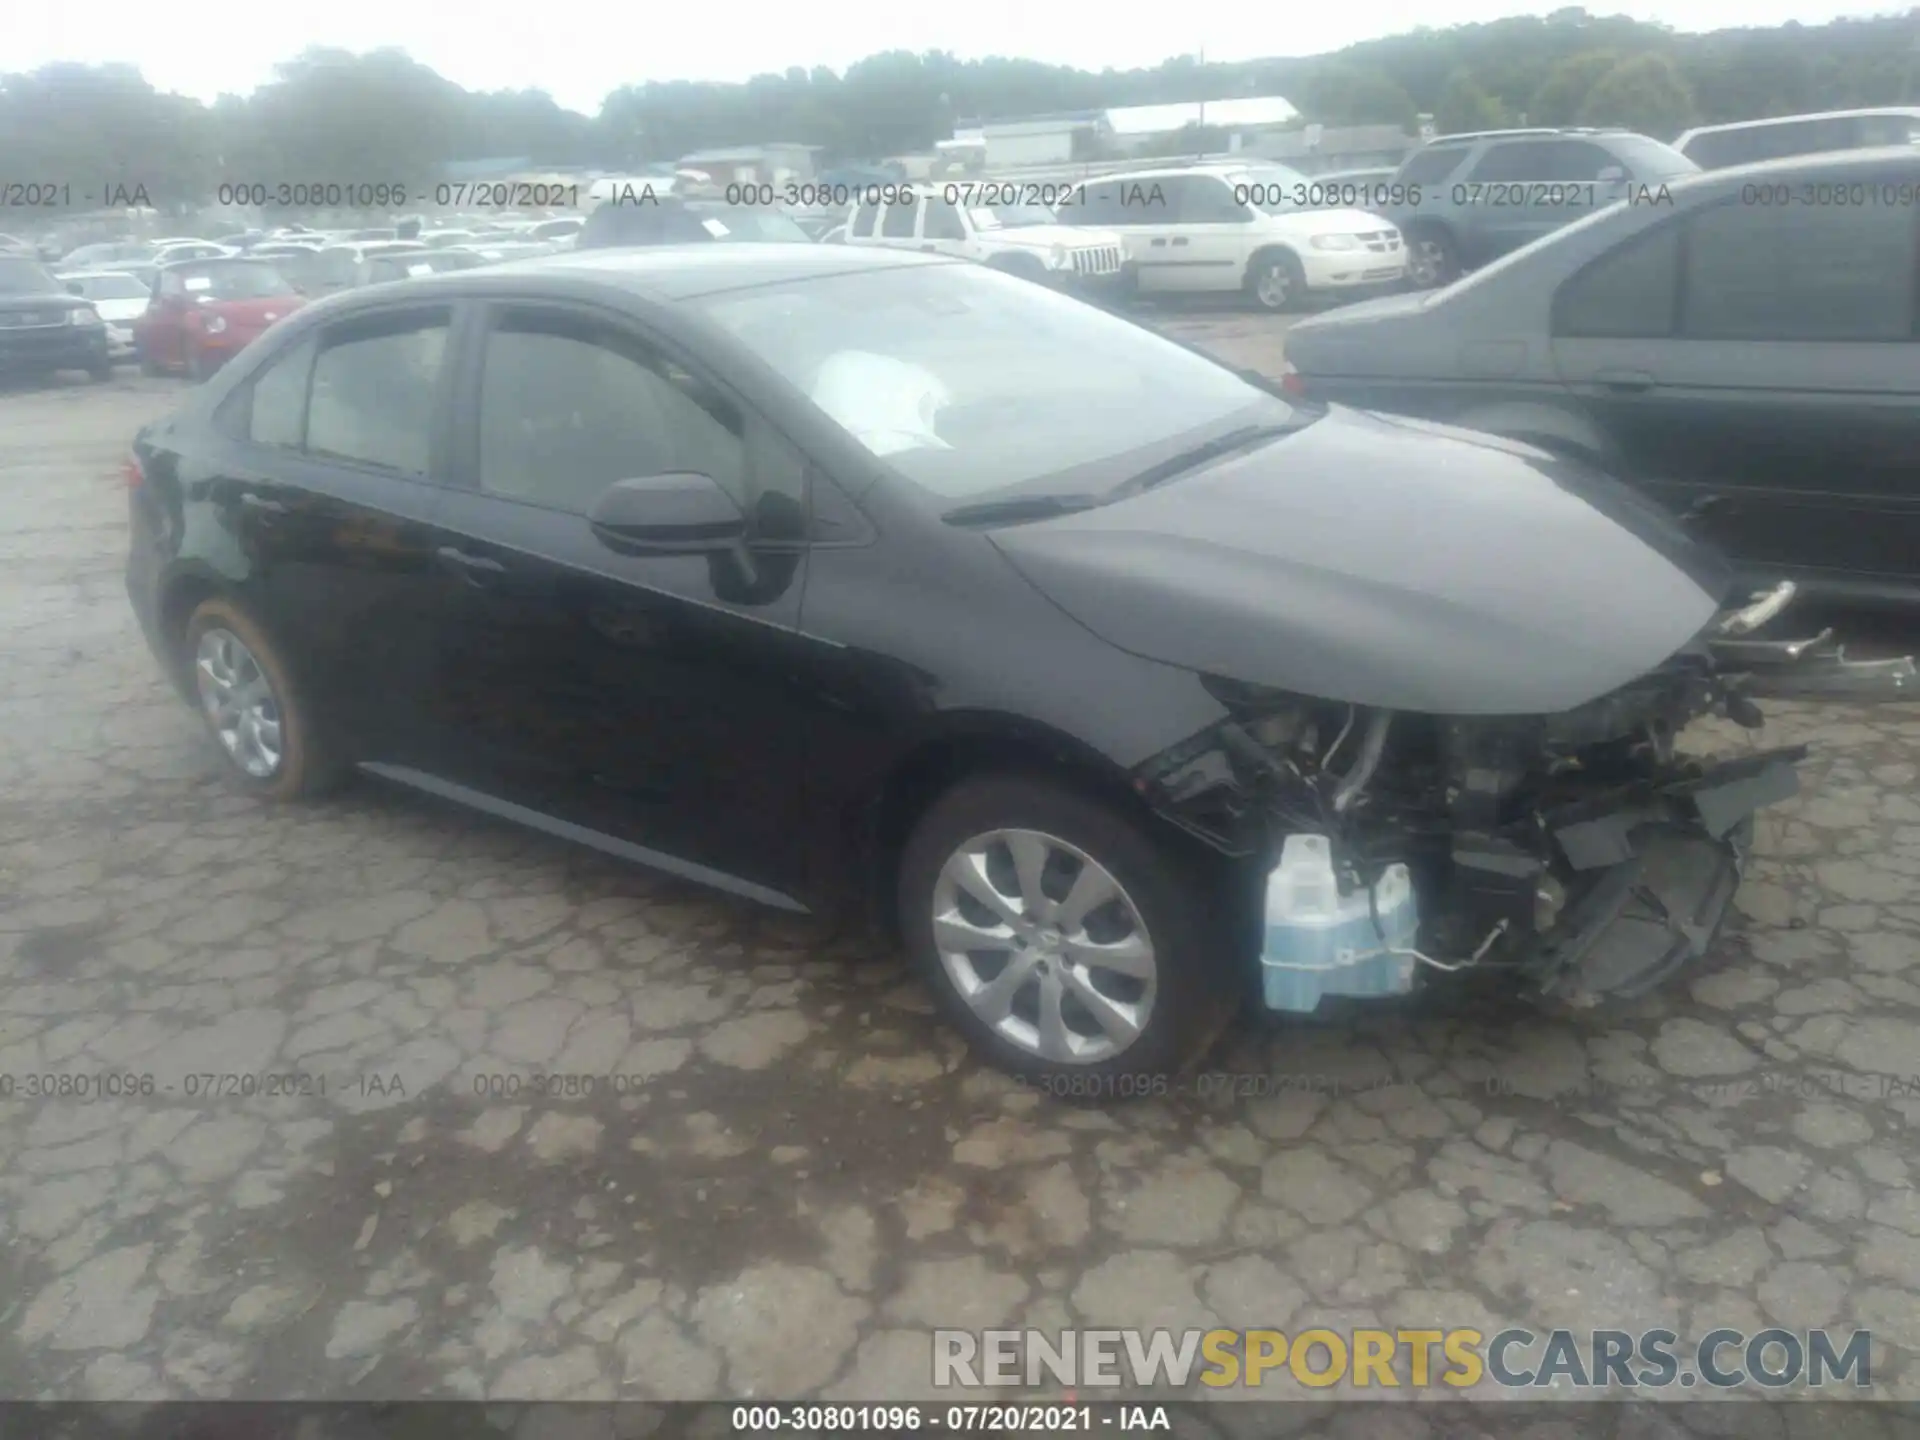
239,701
1426,262
1274,288
1045,946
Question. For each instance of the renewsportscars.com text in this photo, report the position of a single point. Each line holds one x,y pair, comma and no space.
1455,1359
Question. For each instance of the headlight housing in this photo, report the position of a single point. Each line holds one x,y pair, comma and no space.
1336,242
213,324
84,315
1057,258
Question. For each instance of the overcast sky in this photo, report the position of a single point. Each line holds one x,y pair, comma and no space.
579,53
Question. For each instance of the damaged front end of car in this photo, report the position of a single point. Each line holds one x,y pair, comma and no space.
1581,850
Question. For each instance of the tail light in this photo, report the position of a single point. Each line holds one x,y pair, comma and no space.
1292,381
132,472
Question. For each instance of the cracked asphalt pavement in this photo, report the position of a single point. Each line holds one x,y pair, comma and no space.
789,1173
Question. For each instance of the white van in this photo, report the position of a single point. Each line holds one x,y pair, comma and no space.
1715,147
1250,227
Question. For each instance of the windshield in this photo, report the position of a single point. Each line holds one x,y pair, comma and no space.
1011,217
1648,161
26,277
1273,189
110,287
969,382
234,282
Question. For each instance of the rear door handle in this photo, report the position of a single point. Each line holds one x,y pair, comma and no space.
470,565
1626,382
1179,239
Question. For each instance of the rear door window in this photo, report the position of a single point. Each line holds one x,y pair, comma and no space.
1810,273
897,221
375,383
1432,165
1628,293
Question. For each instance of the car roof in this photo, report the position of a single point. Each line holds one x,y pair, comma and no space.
1770,121
201,262
97,275
685,272
1825,162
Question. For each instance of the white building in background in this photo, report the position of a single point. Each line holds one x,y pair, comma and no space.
1135,127
1036,140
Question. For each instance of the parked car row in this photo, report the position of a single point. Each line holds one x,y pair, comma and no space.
192,312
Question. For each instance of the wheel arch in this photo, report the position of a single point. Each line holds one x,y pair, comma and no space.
964,746
1267,250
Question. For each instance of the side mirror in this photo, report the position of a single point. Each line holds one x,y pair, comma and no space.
680,513
74,287
1611,175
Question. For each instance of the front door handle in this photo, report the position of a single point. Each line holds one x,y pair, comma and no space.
470,565
261,505
1626,382
1179,239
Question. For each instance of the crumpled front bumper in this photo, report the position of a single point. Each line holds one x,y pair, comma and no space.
1664,869
1660,877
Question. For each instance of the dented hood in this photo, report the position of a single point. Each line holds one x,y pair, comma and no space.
1390,562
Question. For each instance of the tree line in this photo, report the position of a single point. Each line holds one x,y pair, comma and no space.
330,116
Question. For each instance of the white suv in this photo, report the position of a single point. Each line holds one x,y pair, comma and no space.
977,221
1262,229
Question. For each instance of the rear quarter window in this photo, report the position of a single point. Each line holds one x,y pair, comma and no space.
1432,165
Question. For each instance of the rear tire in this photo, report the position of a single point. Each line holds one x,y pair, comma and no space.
148,365
101,371
200,367
270,740
1099,972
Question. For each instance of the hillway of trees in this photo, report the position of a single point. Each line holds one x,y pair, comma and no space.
333,117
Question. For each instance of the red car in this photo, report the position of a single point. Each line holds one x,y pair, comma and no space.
204,312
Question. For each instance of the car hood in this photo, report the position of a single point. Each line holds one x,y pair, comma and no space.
1045,237
48,301
1387,562
1326,222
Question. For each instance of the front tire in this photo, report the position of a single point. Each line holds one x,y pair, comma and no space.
1277,283
101,371
1068,946
269,738
199,367
1434,261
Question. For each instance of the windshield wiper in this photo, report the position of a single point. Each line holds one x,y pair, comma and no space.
1019,507
1199,455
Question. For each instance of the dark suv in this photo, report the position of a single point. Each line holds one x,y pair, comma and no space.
1483,194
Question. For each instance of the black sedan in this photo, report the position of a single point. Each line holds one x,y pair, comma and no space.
1743,345
831,576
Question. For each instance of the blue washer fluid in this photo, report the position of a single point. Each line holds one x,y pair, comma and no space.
1320,942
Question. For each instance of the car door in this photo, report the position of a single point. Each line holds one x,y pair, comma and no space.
326,477
632,700
1758,367
1213,243
943,230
